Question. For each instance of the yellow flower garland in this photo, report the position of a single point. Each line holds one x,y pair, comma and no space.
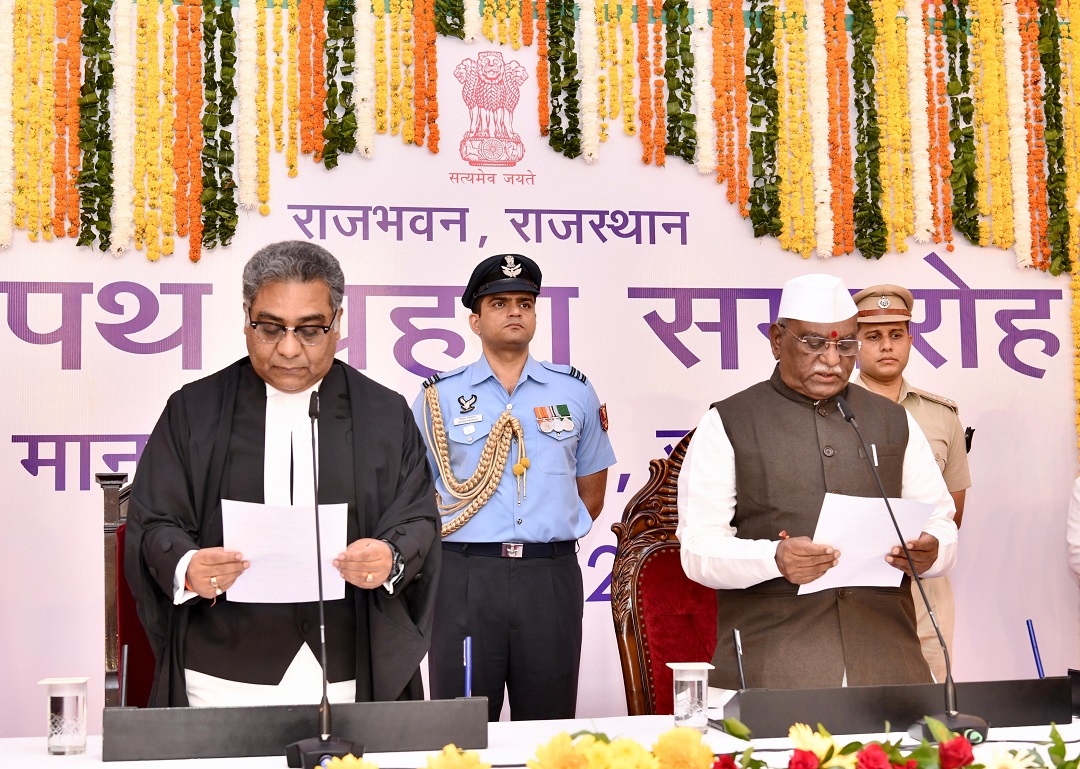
614,95
1070,59
991,68
502,12
261,108
278,116
292,142
395,66
408,56
626,83
602,76
905,187
488,27
166,179
381,71
515,25
39,97
20,112
142,138
800,206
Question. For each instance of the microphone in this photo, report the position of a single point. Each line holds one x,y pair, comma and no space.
971,727
310,753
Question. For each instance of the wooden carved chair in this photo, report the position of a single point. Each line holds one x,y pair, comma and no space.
122,626
660,615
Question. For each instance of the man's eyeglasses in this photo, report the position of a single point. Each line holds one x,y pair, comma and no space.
272,333
818,344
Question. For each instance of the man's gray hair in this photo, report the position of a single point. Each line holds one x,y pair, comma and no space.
294,261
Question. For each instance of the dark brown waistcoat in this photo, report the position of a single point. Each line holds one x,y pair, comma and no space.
789,451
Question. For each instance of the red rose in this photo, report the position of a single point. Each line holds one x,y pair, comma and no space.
803,759
911,764
873,756
955,753
725,761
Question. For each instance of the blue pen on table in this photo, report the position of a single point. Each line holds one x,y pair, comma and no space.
738,650
1035,649
468,665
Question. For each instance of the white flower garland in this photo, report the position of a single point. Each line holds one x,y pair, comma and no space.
818,95
920,129
364,24
472,23
247,90
123,124
588,49
1018,149
705,154
7,125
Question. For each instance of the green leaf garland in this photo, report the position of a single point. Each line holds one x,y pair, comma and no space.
764,119
449,18
95,180
679,74
219,188
565,84
340,129
1057,205
870,231
965,187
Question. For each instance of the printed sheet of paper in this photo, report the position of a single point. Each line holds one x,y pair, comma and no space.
279,541
860,528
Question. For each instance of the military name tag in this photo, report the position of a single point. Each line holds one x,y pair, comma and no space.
468,420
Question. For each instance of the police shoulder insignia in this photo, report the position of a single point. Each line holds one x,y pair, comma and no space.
431,380
939,399
564,368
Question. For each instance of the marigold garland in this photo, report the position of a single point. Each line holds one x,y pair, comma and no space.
277,114
318,77
408,115
502,14
304,40
295,122
1070,53
659,103
794,162
543,79
262,114
7,126
20,110
194,130
1036,168
382,71
626,63
515,25
65,218
604,58
645,105
166,177
395,66
840,162
527,11
488,28
965,189
432,94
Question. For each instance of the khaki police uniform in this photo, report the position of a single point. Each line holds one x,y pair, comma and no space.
938,417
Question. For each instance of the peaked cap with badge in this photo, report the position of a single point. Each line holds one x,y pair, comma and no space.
884,303
502,273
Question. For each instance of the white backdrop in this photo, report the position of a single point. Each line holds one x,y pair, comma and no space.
613,316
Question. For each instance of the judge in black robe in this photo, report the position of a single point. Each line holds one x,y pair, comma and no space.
208,445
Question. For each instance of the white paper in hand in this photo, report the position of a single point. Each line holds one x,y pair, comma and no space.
279,542
860,528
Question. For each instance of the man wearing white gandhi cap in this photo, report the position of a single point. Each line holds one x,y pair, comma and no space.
750,491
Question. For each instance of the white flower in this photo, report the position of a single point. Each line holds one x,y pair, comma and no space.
364,23
472,24
589,105
818,96
1018,149
123,128
1012,759
701,37
247,90
920,129
7,126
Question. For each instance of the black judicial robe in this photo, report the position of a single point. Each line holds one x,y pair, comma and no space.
175,506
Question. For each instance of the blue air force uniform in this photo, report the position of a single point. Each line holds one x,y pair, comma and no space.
510,578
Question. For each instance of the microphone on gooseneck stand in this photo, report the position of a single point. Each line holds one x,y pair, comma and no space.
310,753
972,727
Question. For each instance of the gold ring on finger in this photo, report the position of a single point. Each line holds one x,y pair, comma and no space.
368,578
214,583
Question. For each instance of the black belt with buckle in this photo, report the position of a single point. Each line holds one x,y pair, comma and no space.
513,549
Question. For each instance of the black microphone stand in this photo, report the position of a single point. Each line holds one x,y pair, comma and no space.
309,753
971,727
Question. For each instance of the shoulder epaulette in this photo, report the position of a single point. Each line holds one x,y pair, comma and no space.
939,399
444,375
564,368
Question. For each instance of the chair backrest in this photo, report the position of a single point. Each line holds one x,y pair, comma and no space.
660,615
122,626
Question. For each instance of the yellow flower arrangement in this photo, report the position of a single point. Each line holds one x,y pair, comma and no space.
515,25
822,745
995,109
502,13
278,115
20,112
489,19
452,757
381,71
142,139
782,46
614,95
605,56
167,219
395,66
682,748
626,85
262,111
292,143
560,752
408,112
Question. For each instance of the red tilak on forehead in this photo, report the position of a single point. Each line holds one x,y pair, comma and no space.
834,333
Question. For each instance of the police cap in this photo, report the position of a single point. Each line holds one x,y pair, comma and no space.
884,303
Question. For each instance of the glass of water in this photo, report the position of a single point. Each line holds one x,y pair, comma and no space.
691,680
67,714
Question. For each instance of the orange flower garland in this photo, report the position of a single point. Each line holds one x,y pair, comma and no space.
408,113
645,108
432,80
166,178
65,219
318,77
195,104
420,54
543,85
659,102
306,87
1029,34
527,22
738,38
942,109
843,190
181,150
722,113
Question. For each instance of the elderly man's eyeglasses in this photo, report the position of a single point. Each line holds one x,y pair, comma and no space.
272,333
818,344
